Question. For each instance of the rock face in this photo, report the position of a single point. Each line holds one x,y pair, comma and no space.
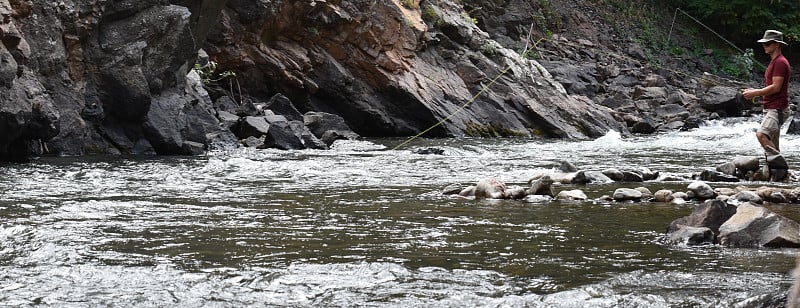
115,77
391,70
107,77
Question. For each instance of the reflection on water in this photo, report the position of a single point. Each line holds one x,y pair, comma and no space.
362,225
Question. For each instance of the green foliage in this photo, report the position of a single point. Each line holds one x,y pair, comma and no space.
411,4
490,48
429,13
208,73
740,66
743,20
469,18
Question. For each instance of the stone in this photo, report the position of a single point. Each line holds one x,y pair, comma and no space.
728,168
490,188
701,190
646,193
627,194
328,127
613,174
756,226
711,214
746,163
541,186
663,195
575,194
692,236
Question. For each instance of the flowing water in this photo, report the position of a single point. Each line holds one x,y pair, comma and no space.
363,225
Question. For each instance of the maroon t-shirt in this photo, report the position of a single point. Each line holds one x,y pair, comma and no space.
778,67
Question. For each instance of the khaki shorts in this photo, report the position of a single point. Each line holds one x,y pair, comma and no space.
771,124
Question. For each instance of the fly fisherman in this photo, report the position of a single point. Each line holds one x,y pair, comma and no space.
775,93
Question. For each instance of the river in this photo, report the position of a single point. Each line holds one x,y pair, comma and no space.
363,225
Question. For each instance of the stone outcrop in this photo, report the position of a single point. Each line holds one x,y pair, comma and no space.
391,70
104,77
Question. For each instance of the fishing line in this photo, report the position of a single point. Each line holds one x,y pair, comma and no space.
503,72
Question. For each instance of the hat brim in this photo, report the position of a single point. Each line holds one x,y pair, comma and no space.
771,40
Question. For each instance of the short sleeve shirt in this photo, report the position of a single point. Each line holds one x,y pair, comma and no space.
778,67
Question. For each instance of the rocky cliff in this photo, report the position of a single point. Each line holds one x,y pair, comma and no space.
393,69
115,77
104,77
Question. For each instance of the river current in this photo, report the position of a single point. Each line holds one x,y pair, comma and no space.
362,225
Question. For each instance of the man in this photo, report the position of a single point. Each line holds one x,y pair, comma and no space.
775,93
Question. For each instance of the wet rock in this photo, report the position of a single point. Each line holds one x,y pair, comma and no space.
777,197
646,193
308,140
756,226
614,174
597,177
575,194
723,100
566,166
647,174
701,190
725,191
746,163
632,176
468,191
541,186
627,194
711,214
328,127
429,151
281,105
490,188
716,176
692,236
663,195
728,168
514,192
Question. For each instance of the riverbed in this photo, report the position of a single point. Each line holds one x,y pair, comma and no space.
365,225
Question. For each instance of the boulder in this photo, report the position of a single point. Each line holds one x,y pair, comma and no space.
746,163
575,194
663,195
490,188
541,186
614,174
597,177
748,196
728,168
756,226
711,214
716,176
328,127
701,190
646,193
692,236
281,105
723,100
627,194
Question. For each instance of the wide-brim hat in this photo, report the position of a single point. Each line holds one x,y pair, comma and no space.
772,36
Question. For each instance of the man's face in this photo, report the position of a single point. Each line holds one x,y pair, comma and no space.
769,47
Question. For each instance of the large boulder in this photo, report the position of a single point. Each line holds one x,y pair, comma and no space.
756,226
711,214
724,101
328,127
